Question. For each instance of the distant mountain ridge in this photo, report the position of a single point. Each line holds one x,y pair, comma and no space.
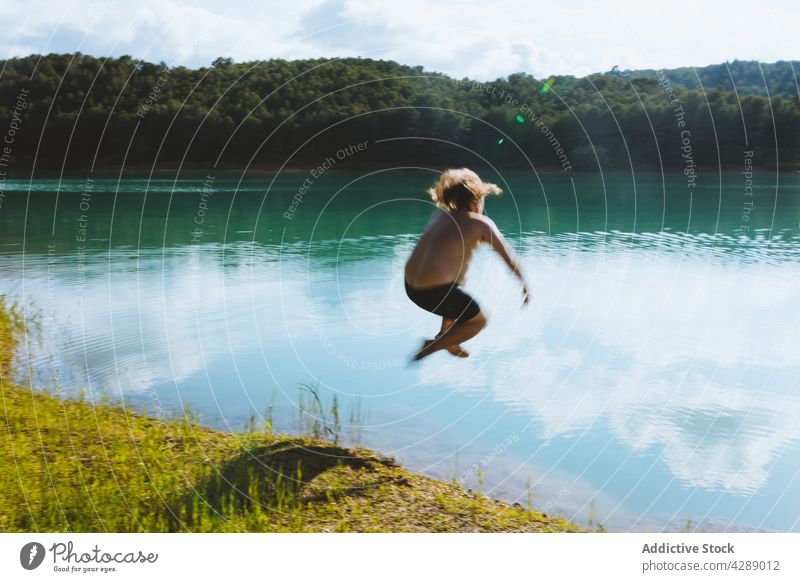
745,77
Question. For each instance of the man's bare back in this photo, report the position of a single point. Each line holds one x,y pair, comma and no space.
445,249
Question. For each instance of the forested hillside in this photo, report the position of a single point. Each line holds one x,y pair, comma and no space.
78,111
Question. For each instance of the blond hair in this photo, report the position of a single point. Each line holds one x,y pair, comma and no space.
458,189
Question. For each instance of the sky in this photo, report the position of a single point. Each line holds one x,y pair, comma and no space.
480,40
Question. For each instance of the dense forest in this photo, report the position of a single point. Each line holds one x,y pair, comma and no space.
75,111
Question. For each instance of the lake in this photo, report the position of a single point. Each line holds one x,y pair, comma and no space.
651,384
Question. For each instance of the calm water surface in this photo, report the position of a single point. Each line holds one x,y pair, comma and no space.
652,380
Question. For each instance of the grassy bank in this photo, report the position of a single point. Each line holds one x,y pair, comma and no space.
74,465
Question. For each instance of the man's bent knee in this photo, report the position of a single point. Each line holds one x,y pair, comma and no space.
479,319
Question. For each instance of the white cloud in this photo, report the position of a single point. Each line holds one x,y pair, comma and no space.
169,30
476,39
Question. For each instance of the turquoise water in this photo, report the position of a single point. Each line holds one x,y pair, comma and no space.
653,379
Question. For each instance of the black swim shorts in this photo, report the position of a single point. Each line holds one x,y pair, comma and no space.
449,301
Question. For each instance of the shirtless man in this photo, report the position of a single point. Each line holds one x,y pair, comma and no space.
437,267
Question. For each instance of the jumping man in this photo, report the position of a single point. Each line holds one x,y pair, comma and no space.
437,267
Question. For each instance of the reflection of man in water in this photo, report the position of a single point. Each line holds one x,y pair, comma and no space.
437,266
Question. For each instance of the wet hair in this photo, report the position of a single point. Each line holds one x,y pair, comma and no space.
458,189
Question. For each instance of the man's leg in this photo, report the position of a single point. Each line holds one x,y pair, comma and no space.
458,332
454,350
446,323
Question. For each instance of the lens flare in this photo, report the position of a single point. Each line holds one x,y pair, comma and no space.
546,87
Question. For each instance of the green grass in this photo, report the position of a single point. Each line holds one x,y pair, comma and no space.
82,466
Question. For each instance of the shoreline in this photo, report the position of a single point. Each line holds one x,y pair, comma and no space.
68,464
138,474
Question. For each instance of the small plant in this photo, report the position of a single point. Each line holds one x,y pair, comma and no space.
595,527
13,327
456,475
269,428
530,494
318,426
251,423
337,425
357,420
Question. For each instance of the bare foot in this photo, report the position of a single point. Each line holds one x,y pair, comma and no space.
458,351
425,351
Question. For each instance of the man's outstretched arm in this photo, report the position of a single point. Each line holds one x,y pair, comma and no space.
498,242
